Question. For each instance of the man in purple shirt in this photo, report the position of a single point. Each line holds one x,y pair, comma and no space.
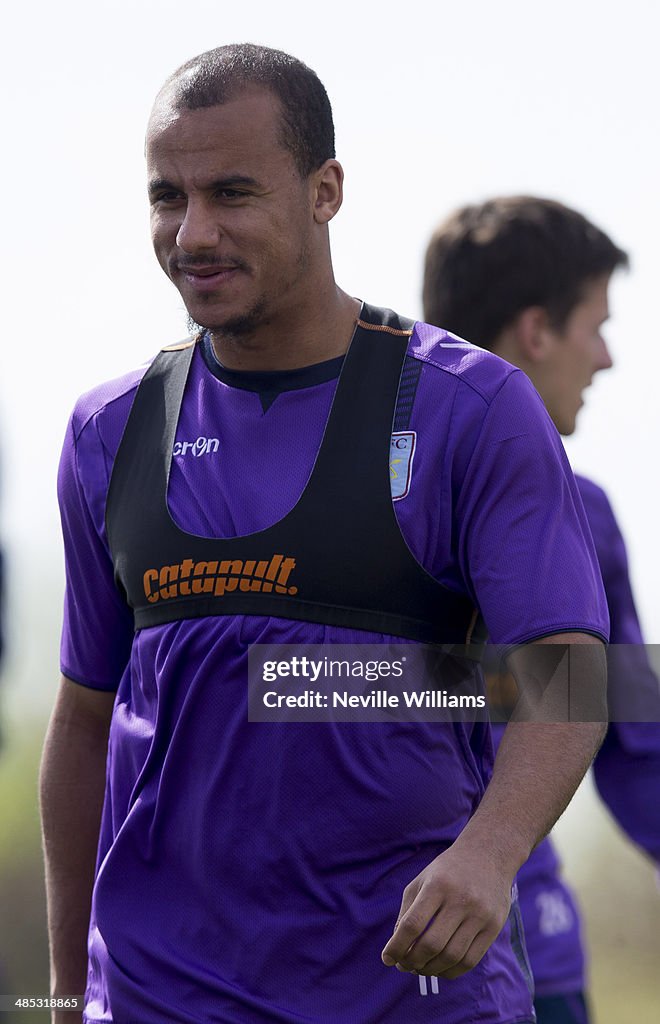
528,278
307,470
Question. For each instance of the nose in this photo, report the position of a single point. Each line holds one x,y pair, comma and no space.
605,361
198,230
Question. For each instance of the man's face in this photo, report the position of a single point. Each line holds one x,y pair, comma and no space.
575,354
232,220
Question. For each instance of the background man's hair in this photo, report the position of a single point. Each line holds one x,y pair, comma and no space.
307,128
489,262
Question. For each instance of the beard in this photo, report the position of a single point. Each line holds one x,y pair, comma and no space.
235,328
241,327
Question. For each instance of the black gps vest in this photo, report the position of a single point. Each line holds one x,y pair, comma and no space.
337,558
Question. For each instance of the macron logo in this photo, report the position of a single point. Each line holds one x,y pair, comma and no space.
202,446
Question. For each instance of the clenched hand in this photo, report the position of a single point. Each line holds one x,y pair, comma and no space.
450,914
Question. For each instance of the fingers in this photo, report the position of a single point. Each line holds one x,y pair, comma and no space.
413,918
403,928
436,955
441,935
444,942
459,955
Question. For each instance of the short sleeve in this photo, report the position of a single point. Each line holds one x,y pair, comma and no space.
97,629
525,545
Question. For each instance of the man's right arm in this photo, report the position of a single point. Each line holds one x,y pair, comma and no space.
72,785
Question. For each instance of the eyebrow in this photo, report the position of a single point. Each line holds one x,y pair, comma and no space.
231,181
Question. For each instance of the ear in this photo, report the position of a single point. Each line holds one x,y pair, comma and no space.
533,334
328,184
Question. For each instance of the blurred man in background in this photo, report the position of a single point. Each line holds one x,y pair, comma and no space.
528,279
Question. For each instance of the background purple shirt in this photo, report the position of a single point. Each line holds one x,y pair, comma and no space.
252,872
626,773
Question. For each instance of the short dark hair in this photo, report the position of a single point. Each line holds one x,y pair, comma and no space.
489,262
218,75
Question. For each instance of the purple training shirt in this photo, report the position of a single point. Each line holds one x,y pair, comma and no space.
626,772
250,872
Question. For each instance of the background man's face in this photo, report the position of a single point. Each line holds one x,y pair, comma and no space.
577,352
231,218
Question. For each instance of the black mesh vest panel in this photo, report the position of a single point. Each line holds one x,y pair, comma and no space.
338,557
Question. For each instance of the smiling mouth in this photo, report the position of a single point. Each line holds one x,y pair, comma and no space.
206,278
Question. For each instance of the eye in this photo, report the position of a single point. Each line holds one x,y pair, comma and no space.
230,193
167,196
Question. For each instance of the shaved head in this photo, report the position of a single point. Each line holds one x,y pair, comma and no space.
219,75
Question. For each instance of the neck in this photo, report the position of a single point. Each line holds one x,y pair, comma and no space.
300,337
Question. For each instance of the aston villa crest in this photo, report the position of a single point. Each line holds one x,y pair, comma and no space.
402,450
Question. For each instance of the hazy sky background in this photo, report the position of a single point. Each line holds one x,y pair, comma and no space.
435,105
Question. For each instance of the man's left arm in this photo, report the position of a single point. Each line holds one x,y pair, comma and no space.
455,908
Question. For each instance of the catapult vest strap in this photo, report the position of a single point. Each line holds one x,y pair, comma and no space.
337,558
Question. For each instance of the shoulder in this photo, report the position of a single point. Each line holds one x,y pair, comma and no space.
109,403
476,393
95,431
107,400
468,365
93,434
449,362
